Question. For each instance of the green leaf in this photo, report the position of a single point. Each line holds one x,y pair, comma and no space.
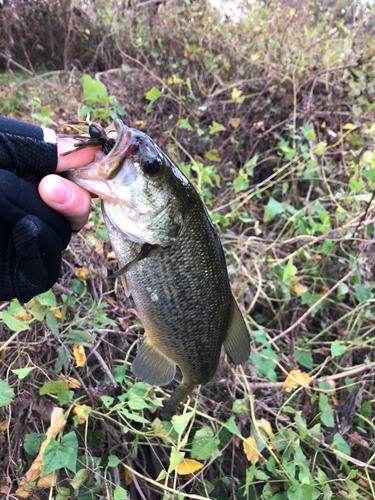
308,132
212,155
6,393
120,493
304,358
57,456
65,397
94,90
119,373
327,413
32,443
231,426
300,492
107,400
337,348
340,444
301,424
327,247
204,444
363,294
79,337
272,209
52,322
58,387
79,479
175,459
370,175
113,461
180,422
239,406
23,372
216,127
63,494
290,270
153,94
47,299
14,324
241,183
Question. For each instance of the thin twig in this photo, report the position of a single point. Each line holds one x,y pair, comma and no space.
105,368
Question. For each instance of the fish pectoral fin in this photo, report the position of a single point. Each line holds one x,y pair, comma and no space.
145,251
126,285
237,341
151,366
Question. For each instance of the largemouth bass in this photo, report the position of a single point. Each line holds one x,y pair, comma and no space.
172,262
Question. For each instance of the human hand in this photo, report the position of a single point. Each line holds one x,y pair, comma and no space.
62,195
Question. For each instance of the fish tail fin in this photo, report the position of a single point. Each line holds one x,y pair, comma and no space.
179,394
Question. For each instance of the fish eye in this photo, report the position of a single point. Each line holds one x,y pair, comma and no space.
151,167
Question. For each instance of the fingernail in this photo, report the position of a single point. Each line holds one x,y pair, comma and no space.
61,192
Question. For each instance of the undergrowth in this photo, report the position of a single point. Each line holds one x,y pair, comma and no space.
270,113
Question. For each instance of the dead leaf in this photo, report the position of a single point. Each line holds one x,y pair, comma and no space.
57,314
296,378
23,316
170,80
98,245
140,124
82,273
255,57
251,450
73,383
79,355
235,122
5,485
298,289
265,426
349,126
80,411
128,477
111,255
259,125
57,424
4,425
188,466
47,481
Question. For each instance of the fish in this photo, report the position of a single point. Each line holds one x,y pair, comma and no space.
172,263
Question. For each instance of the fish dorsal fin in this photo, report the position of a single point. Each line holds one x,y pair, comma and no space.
151,366
237,342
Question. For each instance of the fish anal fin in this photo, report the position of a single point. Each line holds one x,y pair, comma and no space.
237,341
179,394
151,366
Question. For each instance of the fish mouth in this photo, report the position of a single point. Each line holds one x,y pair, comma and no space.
106,166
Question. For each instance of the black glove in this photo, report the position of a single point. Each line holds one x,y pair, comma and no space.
32,235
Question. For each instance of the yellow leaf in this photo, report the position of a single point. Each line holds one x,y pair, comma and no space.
324,290
79,355
4,425
57,424
298,289
251,450
47,481
255,57
128,477
98,245
140,123
236,94
111,255
23,316
73,383
235,122
188,466
57,314
82,273
296,378
170,80
80,411
265,426
349,126
2,353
